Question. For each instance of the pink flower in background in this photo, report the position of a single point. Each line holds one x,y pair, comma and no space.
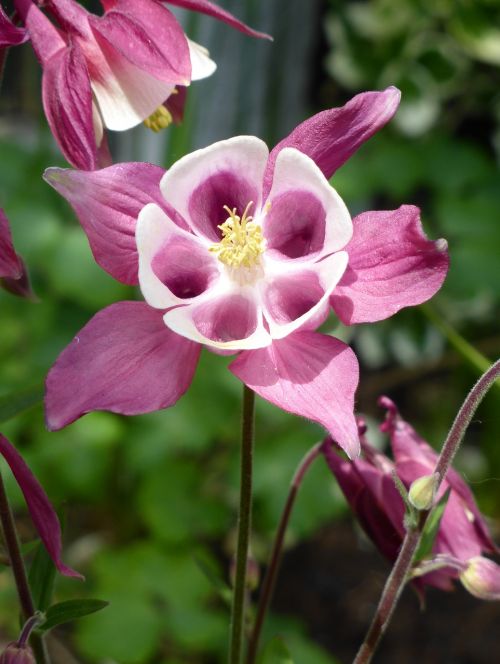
10,35
113,71
463,535
13,274
240,251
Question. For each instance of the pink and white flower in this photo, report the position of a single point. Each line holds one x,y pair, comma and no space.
240,251
112,71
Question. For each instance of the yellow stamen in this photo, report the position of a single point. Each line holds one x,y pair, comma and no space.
242,242
158,120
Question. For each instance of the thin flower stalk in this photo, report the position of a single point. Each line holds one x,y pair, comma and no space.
277,550
244,527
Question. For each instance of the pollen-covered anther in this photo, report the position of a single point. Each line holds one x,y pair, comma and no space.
159,120
242,241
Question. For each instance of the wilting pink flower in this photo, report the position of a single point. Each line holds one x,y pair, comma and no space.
13,274
369,487
213,276
10,34
112,71
41,511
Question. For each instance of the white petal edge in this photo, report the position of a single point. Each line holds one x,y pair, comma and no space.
329,271
242,155
153,228
180,320
202,66
296,171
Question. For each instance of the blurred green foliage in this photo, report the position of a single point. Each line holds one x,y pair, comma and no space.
145,498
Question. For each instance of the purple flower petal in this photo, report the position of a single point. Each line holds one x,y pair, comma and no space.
124,360
331,137
149,36
10,35
308,374
174,265
45,38
67,100
10,263
41,511
392,265
209,8
107,203
227,173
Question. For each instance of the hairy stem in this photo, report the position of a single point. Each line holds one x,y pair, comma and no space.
19,571
244,526
400,572
277,550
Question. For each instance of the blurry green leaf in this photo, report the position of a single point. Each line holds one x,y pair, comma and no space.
41,578
214,578
17,402
432,527
72,609
129,631
276,652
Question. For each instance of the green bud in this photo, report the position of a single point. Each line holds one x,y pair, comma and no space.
423,491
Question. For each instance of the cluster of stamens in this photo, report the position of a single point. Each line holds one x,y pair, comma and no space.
242,241
159,120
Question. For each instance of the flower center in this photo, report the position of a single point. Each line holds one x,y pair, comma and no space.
242,242
159,120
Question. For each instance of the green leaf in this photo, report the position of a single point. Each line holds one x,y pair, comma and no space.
72,609
207,568
432,527
276,652
16,402
42,575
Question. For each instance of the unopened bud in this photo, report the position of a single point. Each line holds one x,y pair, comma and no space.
423,491
16,654
482,578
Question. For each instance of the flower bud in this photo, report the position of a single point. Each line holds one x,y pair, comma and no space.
423,491
16,654
482,578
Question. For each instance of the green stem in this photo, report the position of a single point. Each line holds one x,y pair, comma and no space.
19,572
402,567
461,345
277,550
244,526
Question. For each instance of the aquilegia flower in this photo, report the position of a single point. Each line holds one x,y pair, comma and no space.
463,535
13,274
240,251
113,71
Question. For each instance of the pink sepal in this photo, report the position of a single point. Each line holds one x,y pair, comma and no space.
41,511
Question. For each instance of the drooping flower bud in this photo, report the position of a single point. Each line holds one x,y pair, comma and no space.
482,578
423,491
16,654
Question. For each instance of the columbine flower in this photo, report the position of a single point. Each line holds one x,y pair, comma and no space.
113,71
463,535
13,274
240,251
